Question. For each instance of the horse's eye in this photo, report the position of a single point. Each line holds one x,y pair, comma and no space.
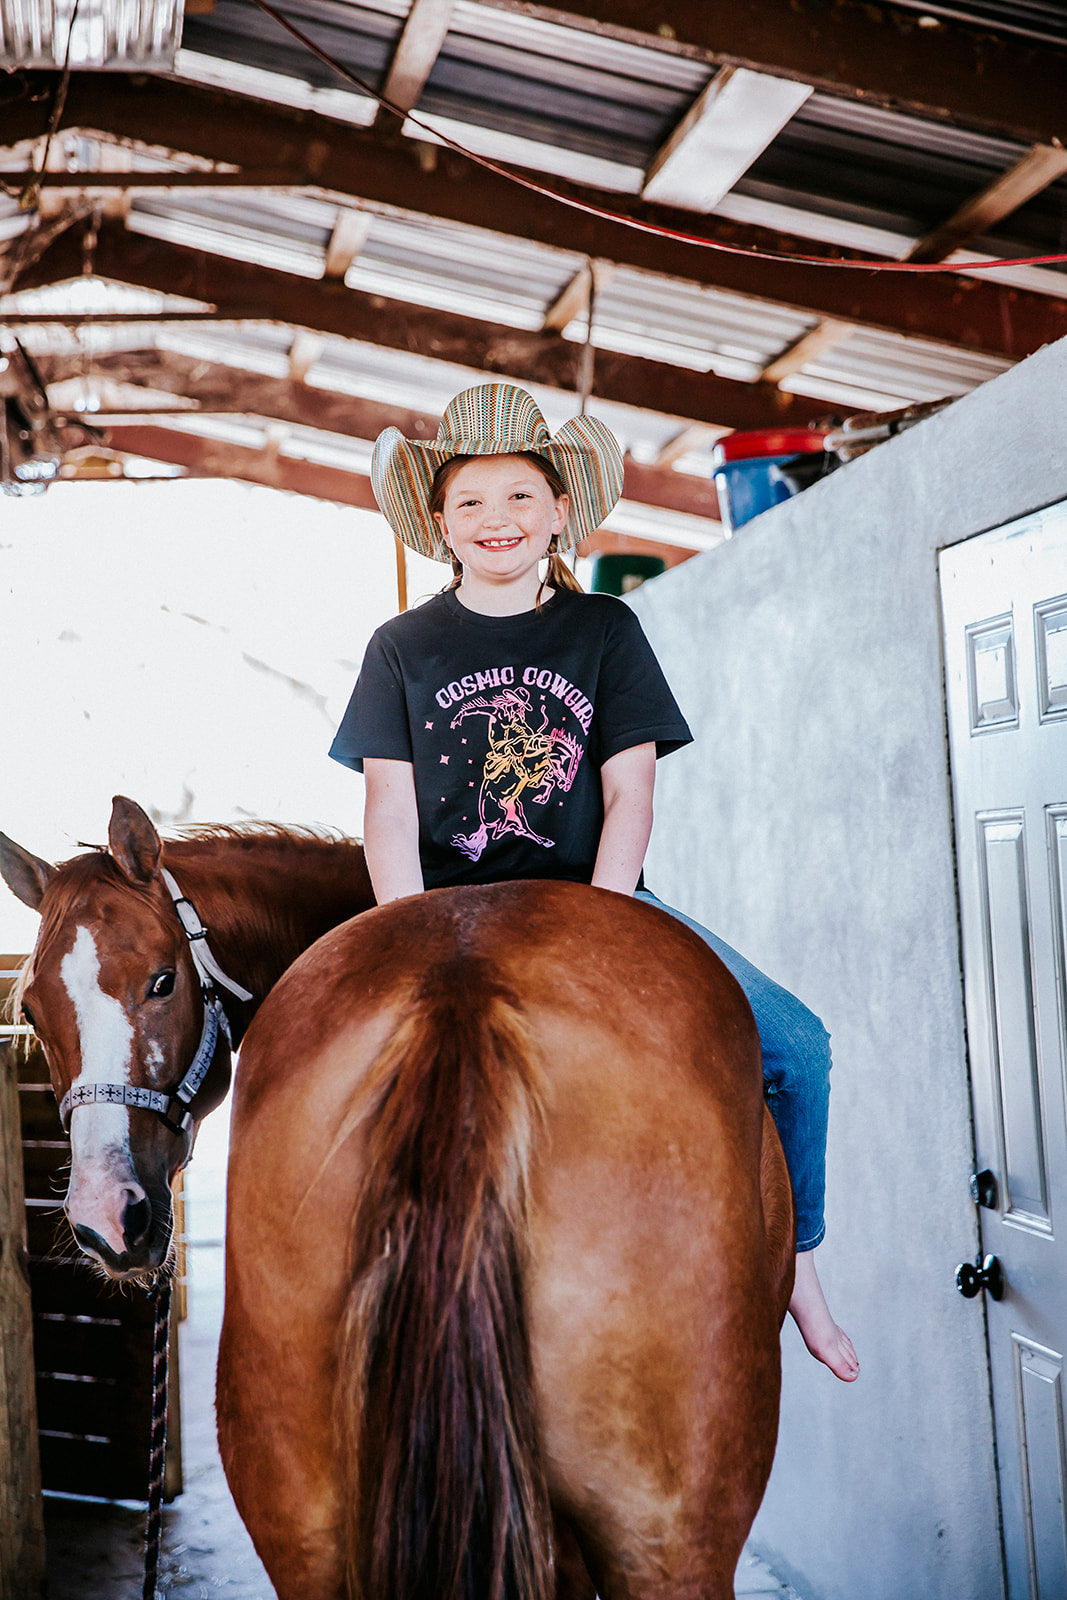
162,984
28,1014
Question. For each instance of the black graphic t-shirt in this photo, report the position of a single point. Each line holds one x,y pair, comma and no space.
507,722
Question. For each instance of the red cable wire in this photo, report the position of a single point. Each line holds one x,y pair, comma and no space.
606,215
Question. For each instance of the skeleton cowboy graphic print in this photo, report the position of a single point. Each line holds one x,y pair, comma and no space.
519,758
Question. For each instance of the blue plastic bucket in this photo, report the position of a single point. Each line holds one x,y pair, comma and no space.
749,475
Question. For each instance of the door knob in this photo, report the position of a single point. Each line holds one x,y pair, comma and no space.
984,1188
974,1275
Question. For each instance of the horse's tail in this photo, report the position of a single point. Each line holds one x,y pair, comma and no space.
447,1494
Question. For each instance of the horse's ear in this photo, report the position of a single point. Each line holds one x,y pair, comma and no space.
134,842
25,875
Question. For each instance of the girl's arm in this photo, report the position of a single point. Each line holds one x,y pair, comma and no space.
628,780
391,829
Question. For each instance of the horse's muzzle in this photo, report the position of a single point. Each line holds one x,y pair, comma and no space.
145,1234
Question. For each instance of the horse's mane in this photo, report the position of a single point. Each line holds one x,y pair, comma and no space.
11,1010
280,831
220,865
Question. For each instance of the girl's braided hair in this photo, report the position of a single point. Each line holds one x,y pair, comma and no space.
559,575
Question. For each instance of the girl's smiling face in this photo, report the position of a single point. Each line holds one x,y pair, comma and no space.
500,516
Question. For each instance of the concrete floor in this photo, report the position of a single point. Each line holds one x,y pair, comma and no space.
96,1551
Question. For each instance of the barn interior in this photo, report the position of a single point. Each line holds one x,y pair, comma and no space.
239,240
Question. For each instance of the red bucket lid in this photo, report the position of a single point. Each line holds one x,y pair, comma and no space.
767,442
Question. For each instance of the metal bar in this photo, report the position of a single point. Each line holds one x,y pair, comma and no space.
22,1549
150,182
102,319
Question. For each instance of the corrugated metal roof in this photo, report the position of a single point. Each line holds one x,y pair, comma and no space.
876,371
456,268
668,319
872,168
361,38
560,86
289,232
878,167
1033,19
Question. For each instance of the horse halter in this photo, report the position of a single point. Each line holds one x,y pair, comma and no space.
172,1106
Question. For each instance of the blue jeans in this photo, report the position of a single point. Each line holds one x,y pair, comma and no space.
796,1076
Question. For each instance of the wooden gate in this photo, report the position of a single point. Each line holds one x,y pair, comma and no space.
1004,598
92,1338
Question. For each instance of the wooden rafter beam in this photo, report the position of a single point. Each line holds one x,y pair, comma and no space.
939,68
220,390
417,49
824,336
1040,166
241,292
210,458
304,351
573,301
361,167
696,436
349,235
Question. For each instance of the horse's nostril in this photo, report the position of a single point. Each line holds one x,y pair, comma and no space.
136,1221
91,1242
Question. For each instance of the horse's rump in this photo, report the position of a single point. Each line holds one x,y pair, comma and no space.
534,1171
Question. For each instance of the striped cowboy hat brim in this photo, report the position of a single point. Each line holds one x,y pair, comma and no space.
495,419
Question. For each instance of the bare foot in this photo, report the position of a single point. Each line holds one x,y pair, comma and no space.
827,1342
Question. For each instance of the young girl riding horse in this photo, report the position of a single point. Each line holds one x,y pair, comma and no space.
509,728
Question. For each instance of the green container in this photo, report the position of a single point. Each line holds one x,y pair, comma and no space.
619,574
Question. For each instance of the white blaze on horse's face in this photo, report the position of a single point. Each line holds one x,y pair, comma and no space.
102,1178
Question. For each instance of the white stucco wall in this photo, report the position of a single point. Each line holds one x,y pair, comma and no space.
811,826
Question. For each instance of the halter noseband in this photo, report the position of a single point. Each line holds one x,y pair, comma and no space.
172,1106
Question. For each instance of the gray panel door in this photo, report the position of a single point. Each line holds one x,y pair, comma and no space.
1004,601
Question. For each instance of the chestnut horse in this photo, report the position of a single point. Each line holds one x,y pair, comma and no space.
509,1235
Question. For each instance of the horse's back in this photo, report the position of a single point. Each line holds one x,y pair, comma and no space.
651,1293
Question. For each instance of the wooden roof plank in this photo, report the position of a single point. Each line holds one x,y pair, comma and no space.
350,233
1041,165
824,336
730,124
417,49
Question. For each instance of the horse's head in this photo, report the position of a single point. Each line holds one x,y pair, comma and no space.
115,998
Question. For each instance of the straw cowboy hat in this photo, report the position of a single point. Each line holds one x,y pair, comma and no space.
491,420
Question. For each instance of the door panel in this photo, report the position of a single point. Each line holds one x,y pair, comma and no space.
1004,603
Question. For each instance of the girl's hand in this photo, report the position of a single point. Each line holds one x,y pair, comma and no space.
391,830
628,780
